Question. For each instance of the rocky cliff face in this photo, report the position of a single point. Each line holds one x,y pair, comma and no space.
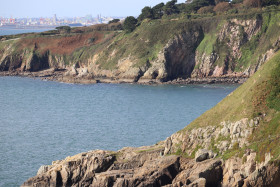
156,51
147,166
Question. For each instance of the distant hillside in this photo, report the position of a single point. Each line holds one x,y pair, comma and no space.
173,47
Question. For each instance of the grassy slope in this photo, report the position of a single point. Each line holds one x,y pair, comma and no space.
259,95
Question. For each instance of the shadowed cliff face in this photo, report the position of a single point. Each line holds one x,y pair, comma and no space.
177,58
26,61
180,54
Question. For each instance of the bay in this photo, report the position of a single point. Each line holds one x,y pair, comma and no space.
43,121
6,31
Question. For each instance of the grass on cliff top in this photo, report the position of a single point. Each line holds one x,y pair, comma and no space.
250,100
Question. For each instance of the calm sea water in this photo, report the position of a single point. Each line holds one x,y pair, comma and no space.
45,121
19,31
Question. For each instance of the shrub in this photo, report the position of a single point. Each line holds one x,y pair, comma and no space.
170,7
220,1
114,21
270,2
90,40
222,7
206,10
63,29
233,11
236,1
129,23
252,3
158,10
147,12
197,4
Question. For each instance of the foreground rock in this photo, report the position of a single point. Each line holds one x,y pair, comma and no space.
146,166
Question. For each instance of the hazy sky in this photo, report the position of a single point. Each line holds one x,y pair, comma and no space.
72,8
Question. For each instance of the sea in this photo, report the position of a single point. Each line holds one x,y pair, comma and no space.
8,31
44,121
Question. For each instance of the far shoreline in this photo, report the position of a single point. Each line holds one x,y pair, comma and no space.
58,76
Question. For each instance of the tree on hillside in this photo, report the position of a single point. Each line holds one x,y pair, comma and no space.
114,21
270,2
147,12
158,10
197,4
129,23
220,1
206,10
170,7
63,29
222,7
236,1
181,7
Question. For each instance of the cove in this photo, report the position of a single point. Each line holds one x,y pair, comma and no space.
43,121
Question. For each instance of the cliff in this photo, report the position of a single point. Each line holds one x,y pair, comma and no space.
161,50
236,143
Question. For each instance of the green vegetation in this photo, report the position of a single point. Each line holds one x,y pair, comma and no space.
195,150
114,21
143,44
130,24
273,99
64,29
258,96
207,44
234,151
261,42
245,102
147,12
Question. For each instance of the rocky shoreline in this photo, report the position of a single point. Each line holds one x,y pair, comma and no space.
160,165
61,75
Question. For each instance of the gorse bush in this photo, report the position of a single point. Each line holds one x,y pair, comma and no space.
206,10
222,7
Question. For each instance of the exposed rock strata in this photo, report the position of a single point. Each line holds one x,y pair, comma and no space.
155,166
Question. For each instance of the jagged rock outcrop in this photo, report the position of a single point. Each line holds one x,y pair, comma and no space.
146,166
223,137
156,166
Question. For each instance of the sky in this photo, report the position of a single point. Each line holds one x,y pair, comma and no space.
74,8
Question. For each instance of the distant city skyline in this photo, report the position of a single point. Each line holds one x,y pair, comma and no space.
74,8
